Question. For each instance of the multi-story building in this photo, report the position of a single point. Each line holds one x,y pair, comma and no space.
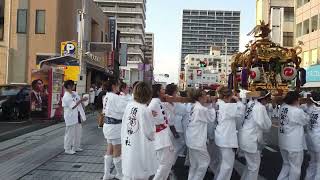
149,55
280,15
307,30
4,40
130,16
34,30
202,29
215,70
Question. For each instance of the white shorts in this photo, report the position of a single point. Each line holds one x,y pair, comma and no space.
111,131
114,141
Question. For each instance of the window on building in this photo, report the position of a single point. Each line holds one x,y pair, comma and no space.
299,3
314,56
40,21
299,30
1,19
288,39
22,21
314,23
306,27
289,14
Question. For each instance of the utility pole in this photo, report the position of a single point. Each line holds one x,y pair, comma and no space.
81,13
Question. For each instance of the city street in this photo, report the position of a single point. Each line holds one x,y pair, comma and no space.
40,155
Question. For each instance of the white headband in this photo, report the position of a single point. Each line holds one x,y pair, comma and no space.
264,96
316,102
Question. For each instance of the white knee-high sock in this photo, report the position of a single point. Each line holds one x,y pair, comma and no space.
118,166
107,166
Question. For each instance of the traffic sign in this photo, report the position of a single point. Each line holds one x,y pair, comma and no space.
69,48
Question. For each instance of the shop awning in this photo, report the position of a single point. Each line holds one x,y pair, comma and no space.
62,60
311,85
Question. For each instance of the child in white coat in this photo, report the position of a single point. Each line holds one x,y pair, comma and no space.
256,121
291,136
137,134
226,134
196,135
113,109
313,138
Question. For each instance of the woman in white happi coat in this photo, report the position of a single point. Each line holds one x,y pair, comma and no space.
163,144
137,136
226,134
313,138
113,109
196,135
256,121
74,115
291,136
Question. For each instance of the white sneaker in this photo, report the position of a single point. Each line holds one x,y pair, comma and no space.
78,150
108,177
69,152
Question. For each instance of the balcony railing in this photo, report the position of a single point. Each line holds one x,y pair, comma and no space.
131,21
131,41
123,10
124,1
131,31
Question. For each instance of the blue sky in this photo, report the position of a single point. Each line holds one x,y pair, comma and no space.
164,19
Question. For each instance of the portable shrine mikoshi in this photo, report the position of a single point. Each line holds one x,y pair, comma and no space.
266,65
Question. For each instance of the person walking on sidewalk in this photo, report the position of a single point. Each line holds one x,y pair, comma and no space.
73,115
113,109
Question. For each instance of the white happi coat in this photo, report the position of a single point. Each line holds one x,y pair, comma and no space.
227,115
256,121
313,129
137,136
181,115
71,115
291,132
196,134
113,107
162,138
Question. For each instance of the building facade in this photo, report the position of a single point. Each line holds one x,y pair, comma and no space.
202,29
280,16
130,16
4,40
307,30
35,29
214,71
149,55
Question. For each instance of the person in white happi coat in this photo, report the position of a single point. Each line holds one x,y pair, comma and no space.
124,91
196,135
226,134
291,136
113,109
256,121
74,115
137,136
176,115
163,144
313,138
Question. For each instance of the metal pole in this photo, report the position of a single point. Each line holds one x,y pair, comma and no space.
226,58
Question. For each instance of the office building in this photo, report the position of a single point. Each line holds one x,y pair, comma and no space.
202,29
130,16
149,55
216,68
280,15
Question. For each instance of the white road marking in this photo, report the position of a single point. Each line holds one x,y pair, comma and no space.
270,149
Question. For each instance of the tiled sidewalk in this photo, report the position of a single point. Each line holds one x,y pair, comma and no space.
40,155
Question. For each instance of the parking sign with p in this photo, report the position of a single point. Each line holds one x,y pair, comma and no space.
69,48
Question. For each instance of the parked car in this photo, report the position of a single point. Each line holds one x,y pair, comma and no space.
14,102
